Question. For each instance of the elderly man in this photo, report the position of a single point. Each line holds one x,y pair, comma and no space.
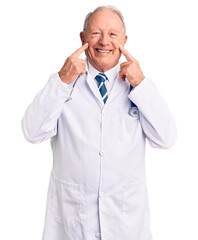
98,114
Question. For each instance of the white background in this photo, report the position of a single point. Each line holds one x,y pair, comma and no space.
36,37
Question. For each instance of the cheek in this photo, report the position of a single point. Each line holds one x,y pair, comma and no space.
116,43
92,41
91,47
117,53
90,51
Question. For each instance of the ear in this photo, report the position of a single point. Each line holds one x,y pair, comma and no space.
82,37
125,39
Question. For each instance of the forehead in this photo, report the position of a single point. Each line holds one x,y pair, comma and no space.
105,19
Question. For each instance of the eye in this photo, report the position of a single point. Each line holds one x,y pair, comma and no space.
113,35
96,33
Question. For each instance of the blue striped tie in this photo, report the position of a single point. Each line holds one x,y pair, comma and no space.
101,78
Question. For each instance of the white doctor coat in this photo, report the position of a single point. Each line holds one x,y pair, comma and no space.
97,186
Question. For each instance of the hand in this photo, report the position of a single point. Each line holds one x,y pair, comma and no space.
73,66
130,69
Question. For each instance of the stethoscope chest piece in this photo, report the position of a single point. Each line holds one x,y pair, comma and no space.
133,112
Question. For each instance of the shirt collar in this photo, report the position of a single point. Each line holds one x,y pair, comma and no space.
111,73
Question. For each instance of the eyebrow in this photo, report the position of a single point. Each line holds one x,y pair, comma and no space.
95,28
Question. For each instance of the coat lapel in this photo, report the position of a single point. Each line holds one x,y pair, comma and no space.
94,89
118,87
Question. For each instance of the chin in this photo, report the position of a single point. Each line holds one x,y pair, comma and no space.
103,66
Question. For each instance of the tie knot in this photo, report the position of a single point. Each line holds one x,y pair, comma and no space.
101,77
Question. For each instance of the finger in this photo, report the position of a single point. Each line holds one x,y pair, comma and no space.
77,53
77,60
83,70
124,64
126,54
79,67
122,76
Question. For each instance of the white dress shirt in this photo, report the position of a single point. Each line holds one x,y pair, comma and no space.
111,75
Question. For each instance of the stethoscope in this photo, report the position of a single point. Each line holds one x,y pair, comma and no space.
133,111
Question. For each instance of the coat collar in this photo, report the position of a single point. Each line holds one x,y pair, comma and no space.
111,73
117,88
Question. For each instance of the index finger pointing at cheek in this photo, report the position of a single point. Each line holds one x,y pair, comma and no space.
77,53
126,53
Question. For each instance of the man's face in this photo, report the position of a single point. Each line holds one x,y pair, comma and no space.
104,33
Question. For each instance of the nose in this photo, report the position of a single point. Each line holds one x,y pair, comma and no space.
104,39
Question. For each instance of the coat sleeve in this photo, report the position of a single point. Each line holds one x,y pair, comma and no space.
157,122
39,122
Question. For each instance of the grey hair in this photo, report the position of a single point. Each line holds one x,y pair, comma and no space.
110,7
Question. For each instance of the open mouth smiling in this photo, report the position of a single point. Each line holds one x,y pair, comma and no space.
103,50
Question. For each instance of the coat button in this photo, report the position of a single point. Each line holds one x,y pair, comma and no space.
101,153
101,194
97,235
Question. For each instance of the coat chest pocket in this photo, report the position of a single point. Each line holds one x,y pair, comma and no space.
134,203
128,127
66,202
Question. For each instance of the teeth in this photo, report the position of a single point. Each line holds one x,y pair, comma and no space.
103,51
